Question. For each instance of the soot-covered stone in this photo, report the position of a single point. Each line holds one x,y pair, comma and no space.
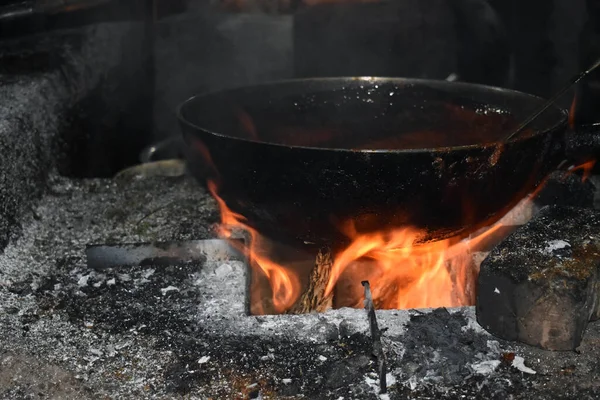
567,189
540,285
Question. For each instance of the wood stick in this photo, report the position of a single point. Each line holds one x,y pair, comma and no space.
314,299
376,337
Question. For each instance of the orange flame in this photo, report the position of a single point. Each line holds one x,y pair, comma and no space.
405,275
285,284
402,274
413,276
573,109
586,167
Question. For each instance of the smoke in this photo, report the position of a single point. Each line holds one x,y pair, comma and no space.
207,49
219,44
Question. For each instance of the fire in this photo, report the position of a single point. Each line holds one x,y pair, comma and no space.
586,169
405,275
402,274
285,284
573,109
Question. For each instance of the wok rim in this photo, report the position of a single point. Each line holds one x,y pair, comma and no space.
561,124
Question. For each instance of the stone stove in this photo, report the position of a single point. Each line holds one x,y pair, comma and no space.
163,328
78,321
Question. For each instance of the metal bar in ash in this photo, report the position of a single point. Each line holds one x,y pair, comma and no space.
376,337
108,256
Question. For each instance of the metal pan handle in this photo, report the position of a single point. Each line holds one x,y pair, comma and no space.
167,149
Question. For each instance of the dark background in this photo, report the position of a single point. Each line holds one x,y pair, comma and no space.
193,46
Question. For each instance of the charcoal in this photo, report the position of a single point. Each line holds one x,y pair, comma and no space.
540,285
566,189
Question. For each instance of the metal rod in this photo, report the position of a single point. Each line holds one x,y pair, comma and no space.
17,10
29,8
376,337
552,100
110,256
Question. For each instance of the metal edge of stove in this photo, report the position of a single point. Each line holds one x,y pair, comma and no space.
107,256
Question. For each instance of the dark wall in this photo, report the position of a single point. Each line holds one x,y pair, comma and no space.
205,50
533,45
45,82
544,41
588,102
111,121
388,38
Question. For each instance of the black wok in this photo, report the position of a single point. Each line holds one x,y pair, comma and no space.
300,159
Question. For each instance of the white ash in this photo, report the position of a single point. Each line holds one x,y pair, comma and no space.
148,273
168,289
137,362
83,280
471,318
204,359
494,346
223,271
373,381
411,383
554,245
96,352
54,350
222,305
485,367
519,363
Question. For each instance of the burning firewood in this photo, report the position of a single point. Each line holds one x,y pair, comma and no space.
314,299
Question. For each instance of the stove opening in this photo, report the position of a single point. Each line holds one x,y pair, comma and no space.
402,272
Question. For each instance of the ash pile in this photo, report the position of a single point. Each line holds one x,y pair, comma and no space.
78,324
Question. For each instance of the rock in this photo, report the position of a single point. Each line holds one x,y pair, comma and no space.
540,285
